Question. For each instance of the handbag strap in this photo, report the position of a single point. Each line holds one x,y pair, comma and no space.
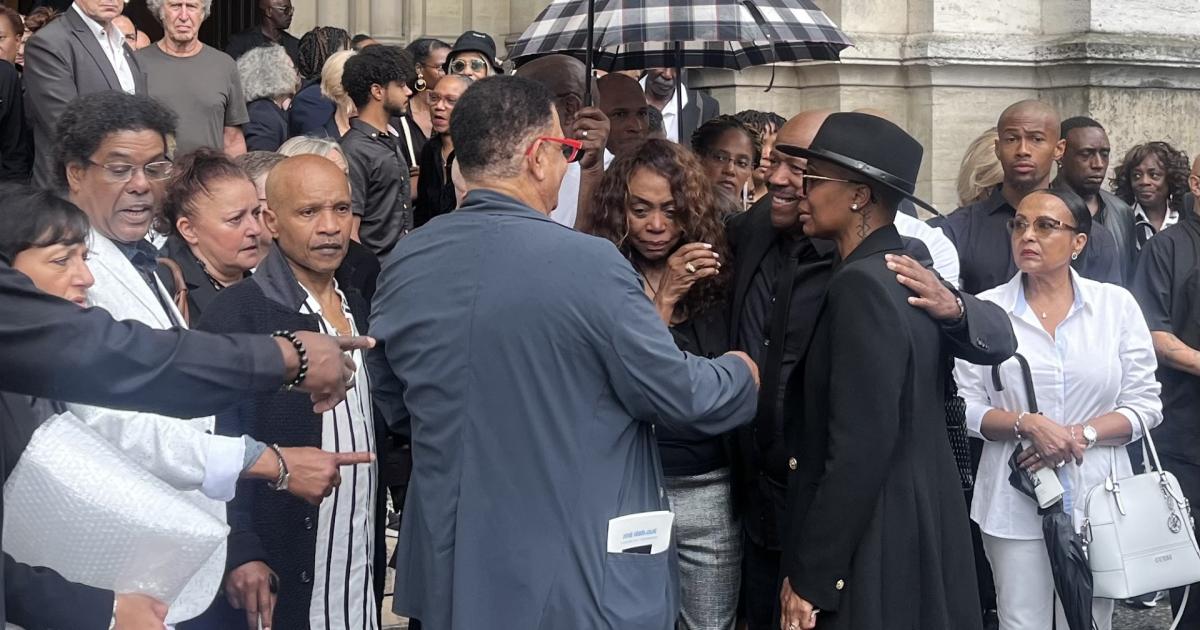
1147,441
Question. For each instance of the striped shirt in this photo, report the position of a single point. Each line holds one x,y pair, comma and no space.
343,594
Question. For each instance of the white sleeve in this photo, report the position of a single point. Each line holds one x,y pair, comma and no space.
174,450
970,380
1139,387
943,252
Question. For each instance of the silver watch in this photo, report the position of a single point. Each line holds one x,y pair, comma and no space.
1089,434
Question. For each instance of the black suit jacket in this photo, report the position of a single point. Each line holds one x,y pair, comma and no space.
700,109
50,348
876,531
267,129
984,336
63,61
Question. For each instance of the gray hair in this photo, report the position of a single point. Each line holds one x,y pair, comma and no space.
267,72
311,145
156,9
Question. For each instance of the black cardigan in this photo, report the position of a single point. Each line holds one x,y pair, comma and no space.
266,525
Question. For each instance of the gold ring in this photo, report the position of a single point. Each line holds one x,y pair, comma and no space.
690,268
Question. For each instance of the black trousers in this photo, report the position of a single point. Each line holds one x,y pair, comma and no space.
760,586
1188,474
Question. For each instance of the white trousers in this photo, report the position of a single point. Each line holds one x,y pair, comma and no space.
1025,587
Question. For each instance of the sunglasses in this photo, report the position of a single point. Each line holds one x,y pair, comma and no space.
459,66
1042,226
571,149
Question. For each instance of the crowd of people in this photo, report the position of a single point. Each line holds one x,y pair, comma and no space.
577,312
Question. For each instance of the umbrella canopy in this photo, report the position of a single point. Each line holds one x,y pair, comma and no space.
639,34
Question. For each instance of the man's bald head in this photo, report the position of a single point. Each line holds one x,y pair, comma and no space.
1027,145
564,76
309,214
800,130
292,178
1032,110
785,180
624,103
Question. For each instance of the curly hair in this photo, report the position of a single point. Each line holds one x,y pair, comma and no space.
39,17
698,211
706,136
1174,161
87,122
316,46
760,121
193,175
376,65
156,8
266,72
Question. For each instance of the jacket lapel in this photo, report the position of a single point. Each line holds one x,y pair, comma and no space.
88,38
113,273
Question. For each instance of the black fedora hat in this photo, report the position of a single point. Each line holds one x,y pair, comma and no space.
868,145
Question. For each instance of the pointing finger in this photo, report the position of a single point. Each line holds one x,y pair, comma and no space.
355,343
350,459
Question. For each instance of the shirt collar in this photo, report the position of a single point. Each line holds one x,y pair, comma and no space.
1012,294
93,25
669,108
141,253
996,202
1140,217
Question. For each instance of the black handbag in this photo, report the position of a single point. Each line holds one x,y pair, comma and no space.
956,431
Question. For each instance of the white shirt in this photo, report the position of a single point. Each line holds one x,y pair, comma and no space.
567,209
945,255
345,549
671,111
112,42
1145,227
1100,360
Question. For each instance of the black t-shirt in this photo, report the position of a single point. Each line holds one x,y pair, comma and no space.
1166,284
253,38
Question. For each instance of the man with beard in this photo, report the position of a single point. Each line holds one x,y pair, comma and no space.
274,19
779,279
378,81
1028,146
295,564
696,108
1083,167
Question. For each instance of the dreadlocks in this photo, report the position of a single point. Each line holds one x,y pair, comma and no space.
317,45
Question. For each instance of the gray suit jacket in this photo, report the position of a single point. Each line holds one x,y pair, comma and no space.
1118,218
64,61
532,368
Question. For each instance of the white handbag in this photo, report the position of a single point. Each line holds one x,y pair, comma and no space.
1138,532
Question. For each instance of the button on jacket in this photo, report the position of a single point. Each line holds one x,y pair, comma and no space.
379,185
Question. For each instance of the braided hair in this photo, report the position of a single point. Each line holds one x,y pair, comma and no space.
317,45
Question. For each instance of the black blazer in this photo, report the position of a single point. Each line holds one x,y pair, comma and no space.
700,109
268,126
265,525
876,529
310,111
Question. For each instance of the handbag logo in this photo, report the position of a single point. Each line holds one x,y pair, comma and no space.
1162,559
1174,523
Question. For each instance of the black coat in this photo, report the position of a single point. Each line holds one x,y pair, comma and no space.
265,525
267,129
53,349
877,534
310,111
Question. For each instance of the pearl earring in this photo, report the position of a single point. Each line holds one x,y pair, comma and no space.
854,206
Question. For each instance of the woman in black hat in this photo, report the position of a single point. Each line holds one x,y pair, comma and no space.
875,532
474,54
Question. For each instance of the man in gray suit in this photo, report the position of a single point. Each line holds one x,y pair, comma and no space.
532,369
82,52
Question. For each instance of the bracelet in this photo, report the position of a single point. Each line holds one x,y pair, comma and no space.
1017,426
281,482
1073,438
299,346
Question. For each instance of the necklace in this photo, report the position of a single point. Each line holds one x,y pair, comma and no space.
649,285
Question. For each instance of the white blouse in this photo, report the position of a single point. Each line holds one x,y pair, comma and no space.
1101,359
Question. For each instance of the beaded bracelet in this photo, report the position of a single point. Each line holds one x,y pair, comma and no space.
299,346
1017,426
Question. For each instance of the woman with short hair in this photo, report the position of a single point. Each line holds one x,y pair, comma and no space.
1092,363
269,83
1153,180
332,89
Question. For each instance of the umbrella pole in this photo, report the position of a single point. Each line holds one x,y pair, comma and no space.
587,77
679,93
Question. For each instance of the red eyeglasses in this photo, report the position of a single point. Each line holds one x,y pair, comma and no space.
571,149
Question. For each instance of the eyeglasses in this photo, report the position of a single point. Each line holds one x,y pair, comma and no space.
723,158
435,69
459,66
120,173
1042,226
571,149
436,99
289,10
805,186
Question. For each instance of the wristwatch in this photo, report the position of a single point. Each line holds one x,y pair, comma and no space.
1089,434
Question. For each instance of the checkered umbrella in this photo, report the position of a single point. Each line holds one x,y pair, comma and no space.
638,34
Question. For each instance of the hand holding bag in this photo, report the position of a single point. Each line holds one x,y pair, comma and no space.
1138,532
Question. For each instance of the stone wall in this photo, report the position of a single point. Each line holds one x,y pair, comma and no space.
943,69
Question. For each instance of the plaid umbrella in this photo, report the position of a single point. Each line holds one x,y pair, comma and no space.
638,34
